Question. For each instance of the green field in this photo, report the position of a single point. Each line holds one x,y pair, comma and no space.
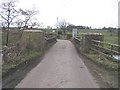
14,35
107,35
110,37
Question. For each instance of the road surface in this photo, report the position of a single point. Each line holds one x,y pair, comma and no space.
61,67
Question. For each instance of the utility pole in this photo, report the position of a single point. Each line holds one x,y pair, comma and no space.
57,26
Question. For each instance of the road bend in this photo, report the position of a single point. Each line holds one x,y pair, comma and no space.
61,67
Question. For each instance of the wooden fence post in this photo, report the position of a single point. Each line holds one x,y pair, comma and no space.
87,40
111,51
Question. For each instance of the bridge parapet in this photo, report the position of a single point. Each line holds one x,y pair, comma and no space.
85,43
33,40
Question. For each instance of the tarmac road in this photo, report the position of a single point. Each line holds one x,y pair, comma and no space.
61,67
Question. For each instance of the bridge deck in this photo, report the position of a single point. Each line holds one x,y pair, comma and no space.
61,67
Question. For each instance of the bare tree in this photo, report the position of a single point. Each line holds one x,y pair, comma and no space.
3,24
37,24
62,24
70,27
8,13
28,14
19,23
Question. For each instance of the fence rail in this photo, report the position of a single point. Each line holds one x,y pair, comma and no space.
98,46
77,40
50,40
106,43
107,49
100,52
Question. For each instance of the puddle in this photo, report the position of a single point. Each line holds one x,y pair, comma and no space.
1,53
116,57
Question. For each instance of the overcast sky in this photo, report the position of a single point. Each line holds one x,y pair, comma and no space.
95,13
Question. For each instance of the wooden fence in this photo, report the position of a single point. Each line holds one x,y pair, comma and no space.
50,40
77,40
108,50
78,43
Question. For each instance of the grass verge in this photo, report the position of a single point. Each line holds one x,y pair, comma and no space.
23,58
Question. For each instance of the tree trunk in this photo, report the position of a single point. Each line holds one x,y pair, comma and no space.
7,37
8,27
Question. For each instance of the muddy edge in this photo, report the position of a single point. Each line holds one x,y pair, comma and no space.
14,76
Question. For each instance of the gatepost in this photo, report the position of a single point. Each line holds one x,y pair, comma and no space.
87,40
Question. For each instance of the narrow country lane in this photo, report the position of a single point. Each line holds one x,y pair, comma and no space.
61,67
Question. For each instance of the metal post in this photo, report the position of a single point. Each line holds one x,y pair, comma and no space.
57,26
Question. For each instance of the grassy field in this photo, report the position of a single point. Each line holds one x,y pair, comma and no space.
107,35
110,37
14,35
